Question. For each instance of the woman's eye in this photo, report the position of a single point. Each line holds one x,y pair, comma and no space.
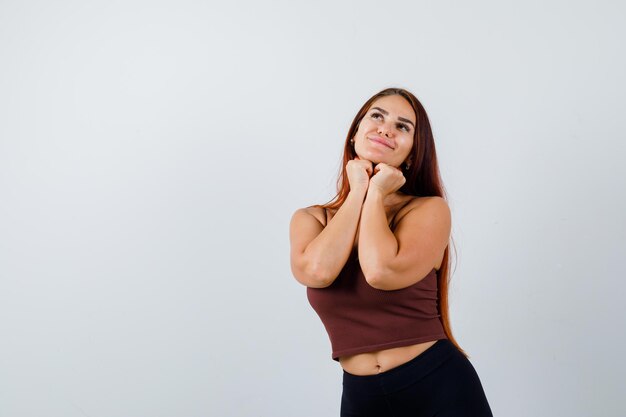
405,127
376,115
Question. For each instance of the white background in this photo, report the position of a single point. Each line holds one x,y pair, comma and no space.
152,154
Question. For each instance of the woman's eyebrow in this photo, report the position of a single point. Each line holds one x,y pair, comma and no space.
402,119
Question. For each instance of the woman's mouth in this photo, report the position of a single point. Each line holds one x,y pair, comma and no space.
381,141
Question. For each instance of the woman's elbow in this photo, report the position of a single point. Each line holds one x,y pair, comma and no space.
378,280
374,281
313,277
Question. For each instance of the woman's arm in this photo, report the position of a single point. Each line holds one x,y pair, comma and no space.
319,253
392,261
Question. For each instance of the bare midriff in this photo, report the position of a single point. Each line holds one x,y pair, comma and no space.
372,363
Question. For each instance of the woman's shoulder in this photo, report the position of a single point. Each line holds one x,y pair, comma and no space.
414,202
319,212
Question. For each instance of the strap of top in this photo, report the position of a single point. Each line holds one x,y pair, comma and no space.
393,219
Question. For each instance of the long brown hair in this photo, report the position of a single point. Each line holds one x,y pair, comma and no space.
422,179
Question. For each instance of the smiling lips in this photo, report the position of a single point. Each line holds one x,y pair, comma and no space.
382,141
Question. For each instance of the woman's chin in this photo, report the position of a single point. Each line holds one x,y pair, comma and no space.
372,158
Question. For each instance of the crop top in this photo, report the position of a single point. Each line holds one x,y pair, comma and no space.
360,318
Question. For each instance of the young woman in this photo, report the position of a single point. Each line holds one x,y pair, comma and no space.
375,263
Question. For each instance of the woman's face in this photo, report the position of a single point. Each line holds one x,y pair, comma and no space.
385,133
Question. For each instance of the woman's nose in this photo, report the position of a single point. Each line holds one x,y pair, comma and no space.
384,130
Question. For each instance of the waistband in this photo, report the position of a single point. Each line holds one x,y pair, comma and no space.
403,375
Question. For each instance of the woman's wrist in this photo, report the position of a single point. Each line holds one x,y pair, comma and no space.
358,193
374,193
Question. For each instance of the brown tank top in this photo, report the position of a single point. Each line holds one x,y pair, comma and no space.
360,318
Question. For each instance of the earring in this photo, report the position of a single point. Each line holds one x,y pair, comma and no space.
407,166
352,142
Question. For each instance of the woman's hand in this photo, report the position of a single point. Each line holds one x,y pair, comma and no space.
359,173
387,179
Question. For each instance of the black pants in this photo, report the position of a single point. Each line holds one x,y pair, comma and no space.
440,382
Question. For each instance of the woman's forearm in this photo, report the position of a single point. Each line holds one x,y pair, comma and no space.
377,243
330,250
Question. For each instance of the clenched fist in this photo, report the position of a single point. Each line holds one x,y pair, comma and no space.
387,179
359,173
